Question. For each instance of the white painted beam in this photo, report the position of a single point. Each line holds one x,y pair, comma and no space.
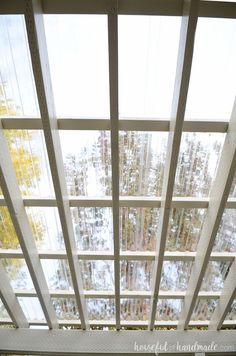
40,63
184,62
218,198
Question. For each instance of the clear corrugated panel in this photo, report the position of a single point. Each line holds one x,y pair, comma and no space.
18,273
232,313
138,229
212,83
17,88
226,236
87,162
101,309
134,309
215,276
30,161
142,160
66,308
93,228
80,73
3,312
135,275
31,308
184,229
232,193
175,275
8,237
148,47
168,309
57,273
198,159
204,309
46,227
97,274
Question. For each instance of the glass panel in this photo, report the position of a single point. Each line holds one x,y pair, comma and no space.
66,308
204,309
212,83
18,273
101,309
134,309
184,230
197,163
29,158
46,227
142,159
57,273
8,237
232,313
17,89
215,276
97,275
148,47
93,228
175,275
80,72
226,236
232,193
87,162
138,229
31,308
169,309
3,312
135,275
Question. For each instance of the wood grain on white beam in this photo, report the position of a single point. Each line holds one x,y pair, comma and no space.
184,62
40,64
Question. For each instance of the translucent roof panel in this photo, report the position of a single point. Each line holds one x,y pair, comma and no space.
46,227
198,160
168,309
3,312
134,309
204,309
17,89
232,193
97,275
184,229
136,275
175,275
148,47
138,229
226,237
80,72
18,273
8,237
66,308
142,160
101,309
212,83
87,162
28,153
232,312
31,308
57,273
215,276
93,228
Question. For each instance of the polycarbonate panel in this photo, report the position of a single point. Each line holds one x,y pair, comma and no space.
226,236
57,273
30,161
212,82
232,313
168,309
204,309
87,162
148,47
8,237
135,275
97,275
134,309
79,72
31,308
138,229
18,273
175,275
184,229
215,276
198,160
65,308
3,312
46,227
142,159
93,228
17,89
101,309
